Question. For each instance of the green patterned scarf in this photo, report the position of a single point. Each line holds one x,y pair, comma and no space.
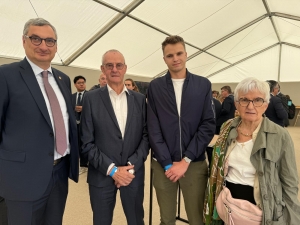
216,178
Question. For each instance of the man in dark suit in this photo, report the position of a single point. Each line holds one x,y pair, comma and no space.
38,142
228,107
275,111
102,82
77,99
115,140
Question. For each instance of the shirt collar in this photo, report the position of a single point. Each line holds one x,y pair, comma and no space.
36,69
112,90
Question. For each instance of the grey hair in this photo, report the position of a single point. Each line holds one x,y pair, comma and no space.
251,84
112,50
37,22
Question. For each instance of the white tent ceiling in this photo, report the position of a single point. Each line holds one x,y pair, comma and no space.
226,40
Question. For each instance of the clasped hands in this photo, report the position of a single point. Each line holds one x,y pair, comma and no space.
177,170
123,177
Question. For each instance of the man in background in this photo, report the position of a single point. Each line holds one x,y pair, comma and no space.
77,99
228,107
102,82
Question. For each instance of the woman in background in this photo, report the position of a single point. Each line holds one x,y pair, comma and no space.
130,84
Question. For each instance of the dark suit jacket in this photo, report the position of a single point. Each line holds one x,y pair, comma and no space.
102,138
74,98
275,111
26,134
227,111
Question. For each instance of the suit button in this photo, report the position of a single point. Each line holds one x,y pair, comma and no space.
51,134
120,137
266,197
260,173
51,154
121,153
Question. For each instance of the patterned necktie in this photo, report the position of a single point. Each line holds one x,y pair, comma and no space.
59,125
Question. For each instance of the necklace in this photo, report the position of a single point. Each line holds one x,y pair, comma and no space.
246,135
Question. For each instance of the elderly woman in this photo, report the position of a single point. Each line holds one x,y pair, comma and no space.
257,157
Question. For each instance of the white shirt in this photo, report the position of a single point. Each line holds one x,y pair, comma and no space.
178,84
119,103
240,169
82,93
38,74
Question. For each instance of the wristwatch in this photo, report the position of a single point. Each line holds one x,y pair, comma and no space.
188,160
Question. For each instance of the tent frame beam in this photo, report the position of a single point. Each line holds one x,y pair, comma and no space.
103,31
242,60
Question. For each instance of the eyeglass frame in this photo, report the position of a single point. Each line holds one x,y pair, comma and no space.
42,39
263,101
113,66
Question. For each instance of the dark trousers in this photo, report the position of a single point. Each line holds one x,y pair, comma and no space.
47,210
103,201
83,160
3,212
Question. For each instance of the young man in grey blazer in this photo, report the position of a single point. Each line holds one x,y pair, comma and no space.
115,141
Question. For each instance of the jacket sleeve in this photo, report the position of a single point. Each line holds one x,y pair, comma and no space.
157,142
205,131
141,153
280,111
289,180
226,106
89,150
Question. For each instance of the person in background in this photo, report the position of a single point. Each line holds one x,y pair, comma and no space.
275,111
115,140
130,84
38,144
102,82
284,101
259,157
77,99
215,94
181,123
228,108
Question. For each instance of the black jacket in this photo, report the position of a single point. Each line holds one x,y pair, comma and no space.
275,111
227,111
172,137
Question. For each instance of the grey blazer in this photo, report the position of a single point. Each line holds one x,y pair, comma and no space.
102,138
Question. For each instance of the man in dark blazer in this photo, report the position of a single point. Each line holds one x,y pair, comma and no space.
115,140
77,99
228,107
36,157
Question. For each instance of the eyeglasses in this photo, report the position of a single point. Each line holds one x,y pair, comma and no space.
257,102
36,40
110,66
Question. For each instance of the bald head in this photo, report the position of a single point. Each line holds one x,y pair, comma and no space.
102,80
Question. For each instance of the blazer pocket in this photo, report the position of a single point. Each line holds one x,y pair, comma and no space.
12,156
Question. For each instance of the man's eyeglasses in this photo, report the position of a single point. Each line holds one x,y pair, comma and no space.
110,66
257,102
36,40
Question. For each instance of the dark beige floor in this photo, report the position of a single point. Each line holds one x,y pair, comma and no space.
78,210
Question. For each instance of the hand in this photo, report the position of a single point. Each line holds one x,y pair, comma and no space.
177,170
122,177
78,108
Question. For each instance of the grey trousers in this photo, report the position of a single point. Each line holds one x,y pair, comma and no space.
193,187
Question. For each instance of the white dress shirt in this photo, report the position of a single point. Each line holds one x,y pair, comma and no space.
38,74
119,103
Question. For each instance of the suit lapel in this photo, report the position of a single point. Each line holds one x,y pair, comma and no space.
130,108
33,86
107,103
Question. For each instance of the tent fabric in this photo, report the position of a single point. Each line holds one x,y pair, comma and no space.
226,40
